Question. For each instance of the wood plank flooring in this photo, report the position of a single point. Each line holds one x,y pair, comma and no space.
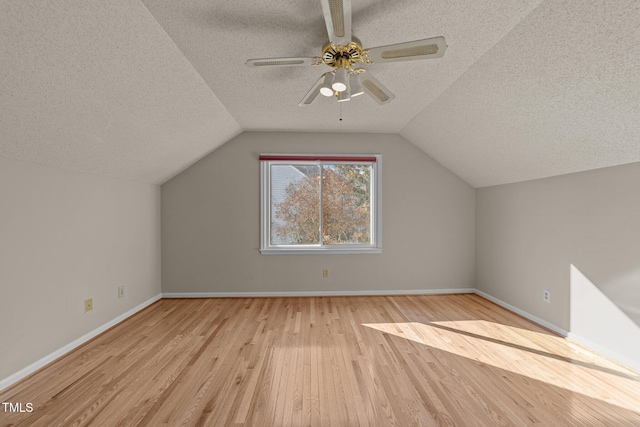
447,360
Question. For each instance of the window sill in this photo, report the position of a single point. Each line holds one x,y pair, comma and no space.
319,251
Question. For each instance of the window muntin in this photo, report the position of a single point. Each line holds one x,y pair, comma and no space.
320,204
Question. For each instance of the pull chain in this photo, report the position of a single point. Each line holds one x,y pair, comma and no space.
340,104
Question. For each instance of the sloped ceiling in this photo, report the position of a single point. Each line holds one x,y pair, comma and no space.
559,94
99,87
141,90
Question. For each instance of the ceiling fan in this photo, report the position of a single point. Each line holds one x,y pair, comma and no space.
343,53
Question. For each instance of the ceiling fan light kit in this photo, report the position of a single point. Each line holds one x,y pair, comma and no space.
344,96
343,51
340,80
327,89
355,84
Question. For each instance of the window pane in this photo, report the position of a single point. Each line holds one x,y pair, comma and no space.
346,203
295,204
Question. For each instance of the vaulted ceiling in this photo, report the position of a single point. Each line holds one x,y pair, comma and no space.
141,90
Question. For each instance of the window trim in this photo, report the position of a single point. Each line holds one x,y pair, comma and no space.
266,160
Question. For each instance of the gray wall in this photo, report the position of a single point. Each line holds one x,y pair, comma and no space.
211,235
530,234
66,237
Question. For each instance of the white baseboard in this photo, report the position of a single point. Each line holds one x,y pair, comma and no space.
633,364
523,313
12,379
314,293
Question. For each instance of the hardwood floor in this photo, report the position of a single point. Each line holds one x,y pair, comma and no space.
328,361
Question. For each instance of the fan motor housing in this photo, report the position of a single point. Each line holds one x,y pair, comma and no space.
343,56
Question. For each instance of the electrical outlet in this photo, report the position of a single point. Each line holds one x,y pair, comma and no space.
121,292
546,295
88,305
325,273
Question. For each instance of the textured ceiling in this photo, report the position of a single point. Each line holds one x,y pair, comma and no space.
559,94
99,87
141,90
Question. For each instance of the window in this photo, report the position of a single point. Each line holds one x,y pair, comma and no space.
320,204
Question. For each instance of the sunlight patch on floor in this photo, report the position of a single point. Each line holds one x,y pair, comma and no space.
534,340
538,356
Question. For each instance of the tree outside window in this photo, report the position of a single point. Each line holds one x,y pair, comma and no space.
325,204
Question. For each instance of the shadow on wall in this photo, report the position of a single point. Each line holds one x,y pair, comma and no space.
597,322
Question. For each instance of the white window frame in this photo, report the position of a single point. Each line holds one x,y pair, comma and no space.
374,247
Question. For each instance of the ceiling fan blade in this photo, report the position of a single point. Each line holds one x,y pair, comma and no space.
407,51
375,89
313,92
337,16
282,62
